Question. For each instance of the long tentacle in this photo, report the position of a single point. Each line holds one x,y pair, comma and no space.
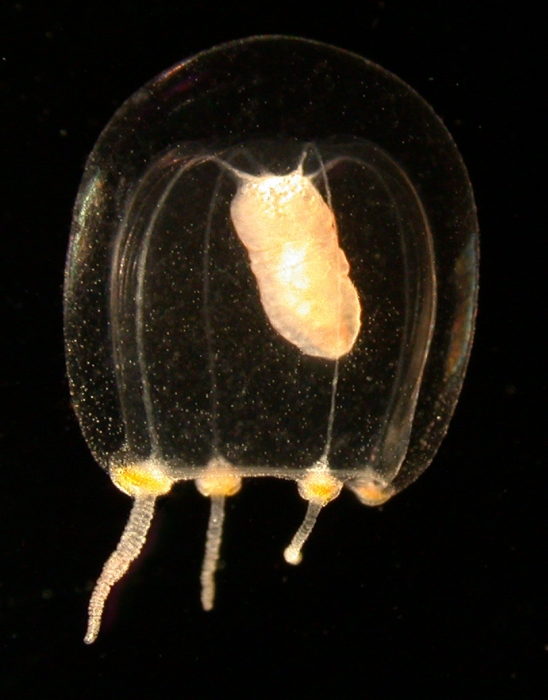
128,549
212,549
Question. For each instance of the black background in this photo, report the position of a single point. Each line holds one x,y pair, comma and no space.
441,593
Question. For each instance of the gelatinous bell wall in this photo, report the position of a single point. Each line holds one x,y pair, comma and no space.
171,352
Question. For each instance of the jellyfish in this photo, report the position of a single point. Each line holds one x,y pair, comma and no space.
272,272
